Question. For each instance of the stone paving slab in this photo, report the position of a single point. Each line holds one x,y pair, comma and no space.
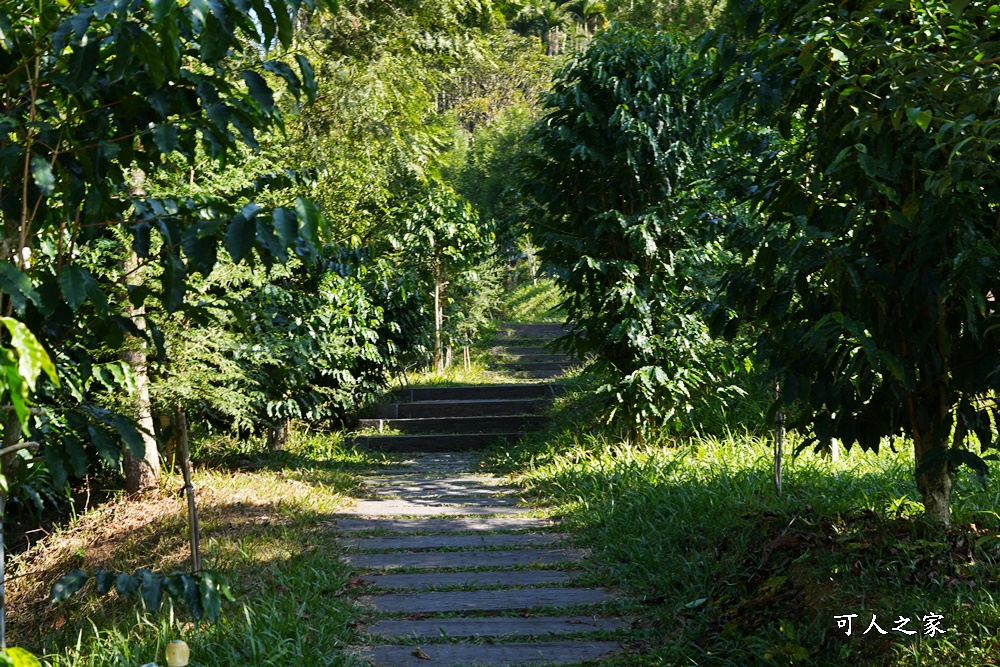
500,626
419,478
426,542
441,525
491,655
438,501
459,559
502,600
445,495
403,508
426,580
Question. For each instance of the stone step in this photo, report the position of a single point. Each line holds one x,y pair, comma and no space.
533,375
442,525
433,442
477,392
443,481
501,600
539,357
491,655
474,408
432,508
490,424
430,542
497,626
532,329
500,350
504,578
431,560
533,366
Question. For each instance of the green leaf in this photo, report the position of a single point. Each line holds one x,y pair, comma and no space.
286,73
286,225
241,234
260,90
77,455
105,445
41,173
55,459
201,249
308,77
152,589
17,286
77,284
126,584
105,581
957,7
192,596
21,658
32,358
165,137
67,585
266,21
174,281
162,9
130,435
920,117
282,14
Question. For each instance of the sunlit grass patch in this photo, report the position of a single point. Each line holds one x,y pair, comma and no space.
538,302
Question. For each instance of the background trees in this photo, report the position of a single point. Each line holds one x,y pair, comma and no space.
613,173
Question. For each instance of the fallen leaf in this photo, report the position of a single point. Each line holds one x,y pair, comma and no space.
420,654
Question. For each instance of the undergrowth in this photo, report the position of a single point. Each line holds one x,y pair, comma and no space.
730,573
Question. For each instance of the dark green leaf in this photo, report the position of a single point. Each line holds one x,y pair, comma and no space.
152,589
67,585
165,137
308,77
260,90
105,581
105,445
16,285
241,233
130,435
126,584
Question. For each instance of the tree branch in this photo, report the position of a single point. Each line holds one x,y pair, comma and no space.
16,448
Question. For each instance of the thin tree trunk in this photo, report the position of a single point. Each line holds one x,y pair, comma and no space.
277,436
779,440
195,536
11,436
934,483
438,321
142,473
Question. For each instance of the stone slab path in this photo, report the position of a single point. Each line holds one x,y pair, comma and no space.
454,575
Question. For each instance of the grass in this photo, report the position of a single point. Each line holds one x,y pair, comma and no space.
266,524
728,573
534,303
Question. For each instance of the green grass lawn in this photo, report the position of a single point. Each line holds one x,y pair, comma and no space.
728,573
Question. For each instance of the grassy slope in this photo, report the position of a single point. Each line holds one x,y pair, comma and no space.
265,525
730,574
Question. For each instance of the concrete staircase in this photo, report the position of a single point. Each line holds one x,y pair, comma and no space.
452,570
453,574
442,419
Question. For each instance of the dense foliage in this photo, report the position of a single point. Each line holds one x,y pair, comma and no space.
614,173
868,147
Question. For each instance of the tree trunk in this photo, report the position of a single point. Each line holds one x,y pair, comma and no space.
438,321
277,436
142,473
931,435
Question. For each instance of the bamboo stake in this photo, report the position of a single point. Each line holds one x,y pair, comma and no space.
182,445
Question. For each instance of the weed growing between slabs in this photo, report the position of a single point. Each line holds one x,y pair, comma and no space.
728,573
266,526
